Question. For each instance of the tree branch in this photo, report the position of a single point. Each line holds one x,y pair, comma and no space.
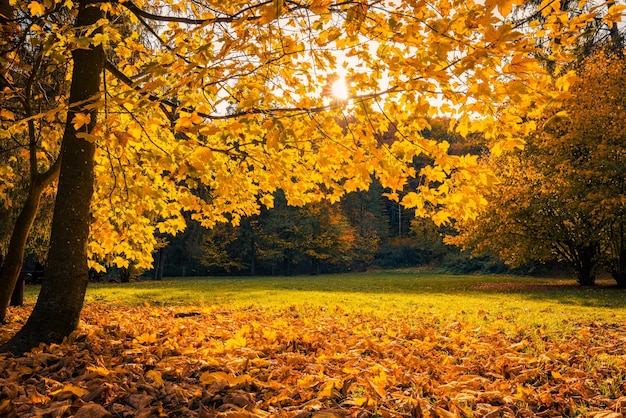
137,11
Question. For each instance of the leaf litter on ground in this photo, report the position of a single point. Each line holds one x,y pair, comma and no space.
305,361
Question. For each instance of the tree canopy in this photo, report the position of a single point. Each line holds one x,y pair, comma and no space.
562,197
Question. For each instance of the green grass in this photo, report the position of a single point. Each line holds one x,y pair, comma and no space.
441,328
503,302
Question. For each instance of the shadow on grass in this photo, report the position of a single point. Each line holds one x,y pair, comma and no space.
373,285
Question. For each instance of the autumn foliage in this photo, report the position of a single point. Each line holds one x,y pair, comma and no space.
307,361
562,197
208,108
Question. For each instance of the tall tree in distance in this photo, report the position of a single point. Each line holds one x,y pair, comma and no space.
592,141
563,196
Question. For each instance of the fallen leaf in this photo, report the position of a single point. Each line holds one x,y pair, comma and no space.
78,391
155,376
92,410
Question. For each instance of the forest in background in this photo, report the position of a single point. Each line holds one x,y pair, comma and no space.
364,230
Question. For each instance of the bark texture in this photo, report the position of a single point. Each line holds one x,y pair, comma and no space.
60,301
17,245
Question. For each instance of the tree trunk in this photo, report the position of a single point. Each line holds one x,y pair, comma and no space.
60,301
619,267
17,245
124,274
617,256
159,264
585,265
251,224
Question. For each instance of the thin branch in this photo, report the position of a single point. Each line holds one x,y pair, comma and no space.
137,11
32,133
44,179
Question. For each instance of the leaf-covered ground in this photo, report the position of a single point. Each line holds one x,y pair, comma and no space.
310,361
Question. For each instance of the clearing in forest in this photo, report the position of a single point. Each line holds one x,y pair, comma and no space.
389,344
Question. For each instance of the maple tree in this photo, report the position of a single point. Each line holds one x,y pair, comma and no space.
563,195
146,114
593,143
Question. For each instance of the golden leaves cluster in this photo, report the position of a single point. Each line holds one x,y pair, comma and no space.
567,185
305,361
215,105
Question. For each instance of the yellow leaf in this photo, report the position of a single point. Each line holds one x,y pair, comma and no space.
88,137
441,218
615,13
523,393
36,397
351,370
360,401
120,262
379,387
237,380
267,200
307,382
202,155
319,6
81,119
102,371
505,7
237,342
155,376
7,114
270,334
78,391
146,338
329,391
556,375
272,11
36,8
209,378
445,414
135,131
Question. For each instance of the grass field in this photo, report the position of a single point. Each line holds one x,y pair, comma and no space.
380,344
532,301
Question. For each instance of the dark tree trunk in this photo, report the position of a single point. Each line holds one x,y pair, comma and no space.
586,278
159,265
60,301
252,251
619,268
38,182
17,245
124,274
585,265
617,258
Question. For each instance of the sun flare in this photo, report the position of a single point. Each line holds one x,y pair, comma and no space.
340,89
